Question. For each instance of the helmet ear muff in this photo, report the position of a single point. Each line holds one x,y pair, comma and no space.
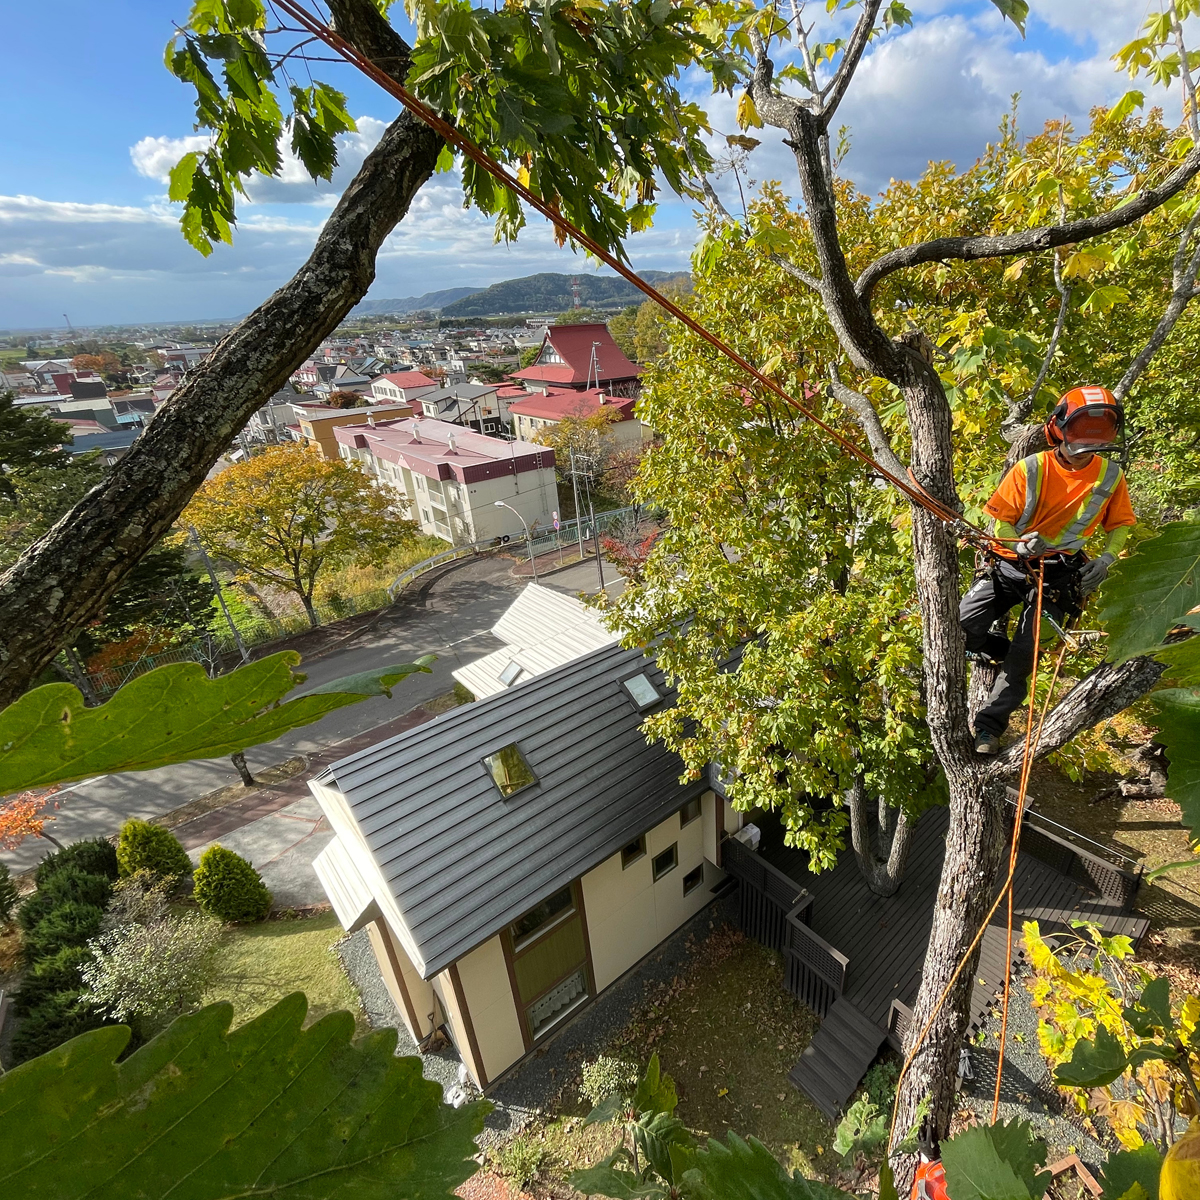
1054,424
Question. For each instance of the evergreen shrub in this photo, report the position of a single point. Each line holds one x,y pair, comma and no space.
228,887
73,884
58,973
69,924
56,1020
35,908
145,847
96,856
8,895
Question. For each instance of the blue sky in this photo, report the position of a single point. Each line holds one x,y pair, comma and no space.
94,121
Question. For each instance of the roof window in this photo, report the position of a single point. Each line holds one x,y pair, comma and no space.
511,673
641,691
509,770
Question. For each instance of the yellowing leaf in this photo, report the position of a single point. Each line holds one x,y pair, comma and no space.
1014,270
747,113
1083,264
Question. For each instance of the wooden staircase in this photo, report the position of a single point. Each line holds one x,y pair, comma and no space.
832,1067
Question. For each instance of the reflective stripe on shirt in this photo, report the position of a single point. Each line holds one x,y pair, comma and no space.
1073,537
1033,485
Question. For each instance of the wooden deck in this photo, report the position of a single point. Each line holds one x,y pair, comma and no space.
884,940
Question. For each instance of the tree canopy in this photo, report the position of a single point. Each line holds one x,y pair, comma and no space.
286,515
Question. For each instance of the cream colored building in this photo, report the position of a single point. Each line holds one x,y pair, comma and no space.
515,857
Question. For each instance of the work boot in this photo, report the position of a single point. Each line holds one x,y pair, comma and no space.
987,743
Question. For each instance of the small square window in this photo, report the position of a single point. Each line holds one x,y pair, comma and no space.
666,862
509,770
641,691
693,879
689,812
511,673
633,852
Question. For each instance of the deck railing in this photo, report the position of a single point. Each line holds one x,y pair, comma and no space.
766,896
816,972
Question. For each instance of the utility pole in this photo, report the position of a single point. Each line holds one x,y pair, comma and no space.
212,574
596,536
578,511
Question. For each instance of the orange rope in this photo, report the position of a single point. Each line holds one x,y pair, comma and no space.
469,149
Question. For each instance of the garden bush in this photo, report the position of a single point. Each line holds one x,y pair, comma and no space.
607,1076
96,856
145,847
34,909
139,899
519,1160
69,924
58,1019
8,895
229,888
58,973
71,883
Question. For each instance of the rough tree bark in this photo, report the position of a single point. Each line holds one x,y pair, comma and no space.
977,833
64,579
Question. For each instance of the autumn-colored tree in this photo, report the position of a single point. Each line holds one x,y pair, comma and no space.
104,363
286,515
24,815
582,435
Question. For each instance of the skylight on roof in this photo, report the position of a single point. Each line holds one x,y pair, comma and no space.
641,691
509,770
511,673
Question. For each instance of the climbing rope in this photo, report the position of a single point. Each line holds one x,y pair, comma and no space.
908,487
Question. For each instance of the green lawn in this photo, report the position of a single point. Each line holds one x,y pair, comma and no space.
262,963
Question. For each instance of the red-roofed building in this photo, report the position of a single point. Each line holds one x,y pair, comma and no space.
451,477
400,387
579,357
540,410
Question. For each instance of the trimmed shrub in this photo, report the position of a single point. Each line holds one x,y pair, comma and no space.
35,909
229,888
57,1020
8,895
96,856
70,924
606,1076
58,973
139,899
73,884
145,847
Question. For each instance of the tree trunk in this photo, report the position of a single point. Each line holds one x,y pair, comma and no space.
78,675
880,836
63,580
313,620
45,833
238,758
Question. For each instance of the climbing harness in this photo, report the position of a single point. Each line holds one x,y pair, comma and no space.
910,487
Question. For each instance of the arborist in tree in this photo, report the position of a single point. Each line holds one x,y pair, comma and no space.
1047,507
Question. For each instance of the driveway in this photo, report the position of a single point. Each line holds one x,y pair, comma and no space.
450,616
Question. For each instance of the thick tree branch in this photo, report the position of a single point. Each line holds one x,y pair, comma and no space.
1028,241
868,420
64,579
1107,691
832,95
1025,405
1183,279
774,109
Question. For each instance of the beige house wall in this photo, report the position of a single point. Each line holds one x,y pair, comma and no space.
488,993
628,913
412,995
459,1024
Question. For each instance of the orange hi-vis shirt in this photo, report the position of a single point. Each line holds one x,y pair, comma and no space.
1065,507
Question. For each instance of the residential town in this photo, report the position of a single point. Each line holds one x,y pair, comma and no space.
601,601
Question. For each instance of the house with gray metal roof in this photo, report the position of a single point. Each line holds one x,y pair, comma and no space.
517,855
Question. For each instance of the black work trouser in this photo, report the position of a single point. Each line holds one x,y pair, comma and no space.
993,597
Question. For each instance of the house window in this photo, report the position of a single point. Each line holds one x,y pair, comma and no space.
547,950
542,917
693,879
509,770
641,691
689,812
666,862
633,852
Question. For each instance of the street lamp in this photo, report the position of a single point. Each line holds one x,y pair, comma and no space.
528,539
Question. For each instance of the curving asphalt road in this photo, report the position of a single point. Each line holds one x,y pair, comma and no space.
451,616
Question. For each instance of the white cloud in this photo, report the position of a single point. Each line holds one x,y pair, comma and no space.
154,157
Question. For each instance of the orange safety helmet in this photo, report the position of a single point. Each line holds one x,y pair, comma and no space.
1087,418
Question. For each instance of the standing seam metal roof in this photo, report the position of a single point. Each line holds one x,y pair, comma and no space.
461,860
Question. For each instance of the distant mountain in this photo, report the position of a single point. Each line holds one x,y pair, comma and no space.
430,302
550,293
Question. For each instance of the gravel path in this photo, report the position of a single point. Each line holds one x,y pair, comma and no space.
532,1086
